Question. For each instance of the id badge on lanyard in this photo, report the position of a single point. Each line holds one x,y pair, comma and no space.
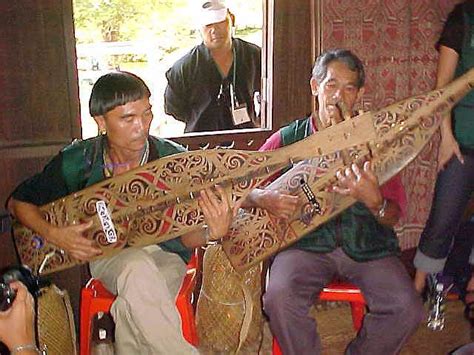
238,111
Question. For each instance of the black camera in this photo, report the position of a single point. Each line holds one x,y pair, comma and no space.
7,296
16,273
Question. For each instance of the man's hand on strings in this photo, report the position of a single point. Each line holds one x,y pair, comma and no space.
279,204
71,239
218,211
361,184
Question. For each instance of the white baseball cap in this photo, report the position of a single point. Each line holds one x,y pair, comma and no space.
211,11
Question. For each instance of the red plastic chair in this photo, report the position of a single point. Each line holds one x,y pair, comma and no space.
185,300
339,291
96,298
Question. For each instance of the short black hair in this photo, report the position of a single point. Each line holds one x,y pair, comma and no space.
320,68
116,89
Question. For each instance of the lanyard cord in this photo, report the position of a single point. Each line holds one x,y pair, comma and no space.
234,74
233,90
234,66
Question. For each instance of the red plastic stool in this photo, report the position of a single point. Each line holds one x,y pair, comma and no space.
339,291
96,298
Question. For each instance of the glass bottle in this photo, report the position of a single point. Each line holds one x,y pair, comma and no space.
436,314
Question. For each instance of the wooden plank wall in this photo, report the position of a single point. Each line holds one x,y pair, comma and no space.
38,101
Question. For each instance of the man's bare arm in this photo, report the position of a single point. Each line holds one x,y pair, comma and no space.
68,238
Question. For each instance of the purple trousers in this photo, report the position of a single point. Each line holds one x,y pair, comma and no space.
298,276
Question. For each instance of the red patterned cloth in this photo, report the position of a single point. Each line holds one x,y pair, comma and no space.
396,41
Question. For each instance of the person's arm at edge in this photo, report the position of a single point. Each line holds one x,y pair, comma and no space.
281,205
69,238
17,323
448,61
175,101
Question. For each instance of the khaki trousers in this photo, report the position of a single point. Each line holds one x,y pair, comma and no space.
146,282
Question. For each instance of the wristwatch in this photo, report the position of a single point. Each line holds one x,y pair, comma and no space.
207,237
381,211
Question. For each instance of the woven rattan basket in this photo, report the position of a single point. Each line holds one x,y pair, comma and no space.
229,317
56,330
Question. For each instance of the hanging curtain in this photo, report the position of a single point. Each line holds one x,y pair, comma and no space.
396,41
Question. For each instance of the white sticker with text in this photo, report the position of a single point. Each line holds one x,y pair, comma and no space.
106,221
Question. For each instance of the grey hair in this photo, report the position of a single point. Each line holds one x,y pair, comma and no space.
345,56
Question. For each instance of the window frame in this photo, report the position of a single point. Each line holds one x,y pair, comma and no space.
290,42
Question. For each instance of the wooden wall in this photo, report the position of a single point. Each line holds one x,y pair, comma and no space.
292,60
38,100
38,105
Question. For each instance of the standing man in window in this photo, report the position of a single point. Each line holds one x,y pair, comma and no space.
213,87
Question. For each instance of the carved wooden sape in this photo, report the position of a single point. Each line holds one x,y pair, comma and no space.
157,201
